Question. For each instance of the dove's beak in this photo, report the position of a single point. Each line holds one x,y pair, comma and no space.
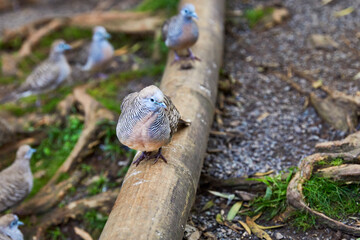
20,223
194,15
163,105
107,35
67,47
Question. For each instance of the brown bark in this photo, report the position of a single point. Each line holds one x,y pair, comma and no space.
155,199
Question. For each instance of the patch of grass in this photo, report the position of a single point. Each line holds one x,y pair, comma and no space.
170,6
56,234
111,146
274,200
254,16
303,220
86,168
336,162
99,186
107,91
95,220
335,199
54,150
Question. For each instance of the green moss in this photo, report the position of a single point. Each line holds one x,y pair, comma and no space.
54,150
322,163
56,234
107,91
336,162
170,6
254,16
274,200
335,199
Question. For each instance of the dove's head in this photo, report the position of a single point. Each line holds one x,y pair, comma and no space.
25,152
10,222
152,98
60,46
188,11
100,33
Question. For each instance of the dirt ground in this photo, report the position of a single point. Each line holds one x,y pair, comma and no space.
271,129
290,131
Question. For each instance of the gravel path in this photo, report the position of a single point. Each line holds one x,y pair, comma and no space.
289,132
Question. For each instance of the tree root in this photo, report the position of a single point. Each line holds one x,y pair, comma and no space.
349,171
103,202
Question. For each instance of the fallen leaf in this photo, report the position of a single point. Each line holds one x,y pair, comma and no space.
233,211
322,41
324,2
261,174
233,227
256,217
357,76
246,227
245,196
317,84
256,230
219,219
279,14
344,12
228,196
263,116
208,205
82,233
270,227
121,51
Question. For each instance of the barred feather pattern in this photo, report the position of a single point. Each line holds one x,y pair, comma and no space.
16,182
180,32
134,111
6,231
99,52
45,77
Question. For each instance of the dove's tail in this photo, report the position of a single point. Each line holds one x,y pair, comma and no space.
14,96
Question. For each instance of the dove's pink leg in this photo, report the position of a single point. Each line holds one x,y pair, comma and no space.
192,56
176,58
159,155
143,156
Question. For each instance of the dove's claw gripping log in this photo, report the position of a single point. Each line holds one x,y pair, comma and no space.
159,155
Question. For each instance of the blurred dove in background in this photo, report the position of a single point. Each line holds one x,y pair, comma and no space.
9,224
100,50
16,181
181,32
45,77
147,122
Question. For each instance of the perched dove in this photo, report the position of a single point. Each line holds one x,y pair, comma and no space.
6,133
45,77
181,32
147,122
100,50
16,181
9,224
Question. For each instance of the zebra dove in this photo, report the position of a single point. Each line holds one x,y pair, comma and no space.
45,77
9,224
147,122
100,50
16,181
181,32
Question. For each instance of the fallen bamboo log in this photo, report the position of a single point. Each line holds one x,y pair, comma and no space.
155,200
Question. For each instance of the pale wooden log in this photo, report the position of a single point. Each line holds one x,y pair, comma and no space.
155,200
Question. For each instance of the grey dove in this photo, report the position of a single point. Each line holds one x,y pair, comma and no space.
100,50
181,32
9,230
16,181
6,133
147,122
45,77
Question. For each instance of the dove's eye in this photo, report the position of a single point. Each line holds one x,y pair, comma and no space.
152,100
